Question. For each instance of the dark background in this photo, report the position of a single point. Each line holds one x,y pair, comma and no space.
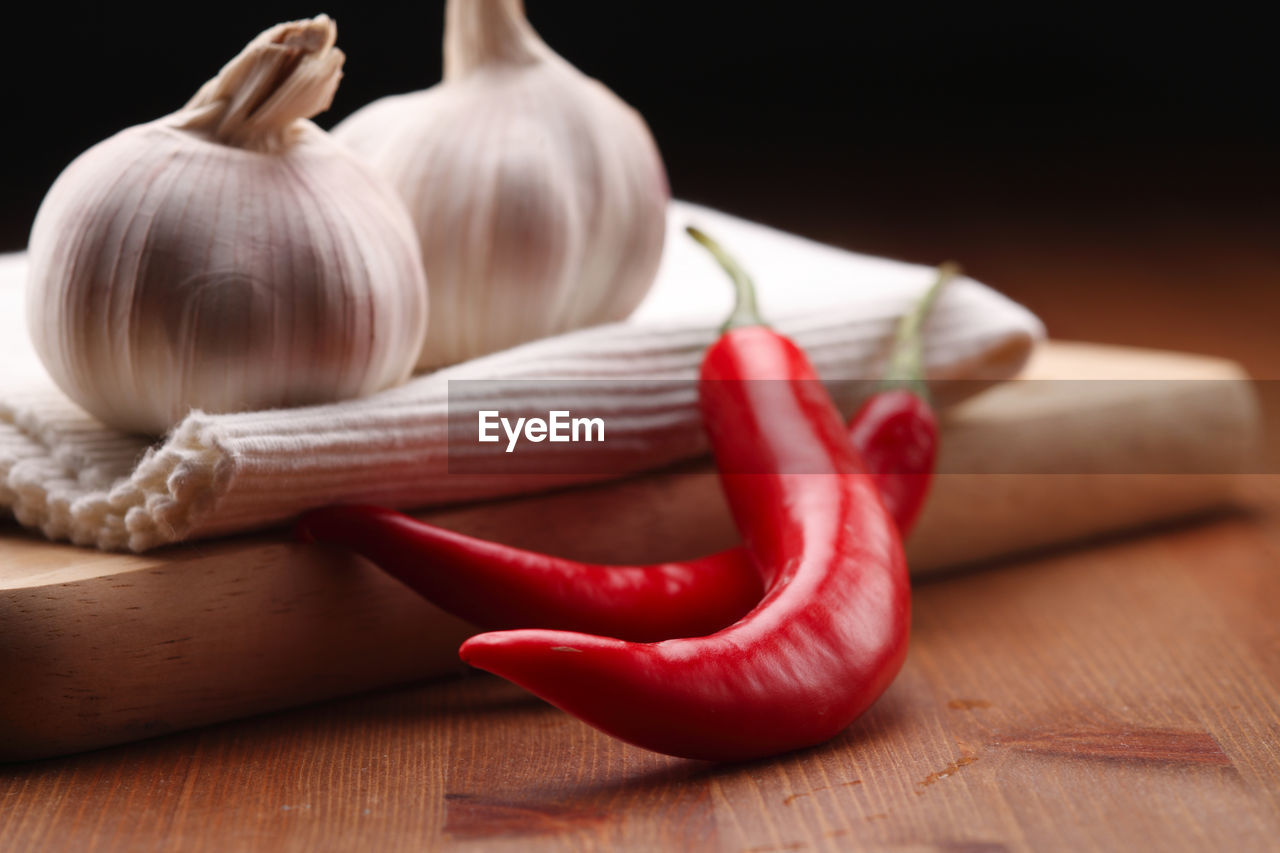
904,129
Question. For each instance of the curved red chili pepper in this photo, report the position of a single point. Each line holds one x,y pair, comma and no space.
497,586
831,631
896,432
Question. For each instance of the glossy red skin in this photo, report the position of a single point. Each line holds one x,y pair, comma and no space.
896,432
497,587
830,633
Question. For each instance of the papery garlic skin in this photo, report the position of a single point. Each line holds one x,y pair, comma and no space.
208,261
538,195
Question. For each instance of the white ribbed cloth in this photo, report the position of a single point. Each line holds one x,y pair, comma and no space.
74,479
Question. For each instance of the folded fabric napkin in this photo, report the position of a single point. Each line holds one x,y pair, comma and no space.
72,478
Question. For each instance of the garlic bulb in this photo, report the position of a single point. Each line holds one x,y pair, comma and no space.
539,196
227,257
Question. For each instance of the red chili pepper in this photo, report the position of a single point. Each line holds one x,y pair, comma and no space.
497,586
831,631
896,430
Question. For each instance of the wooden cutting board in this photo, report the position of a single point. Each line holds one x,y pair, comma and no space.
99,648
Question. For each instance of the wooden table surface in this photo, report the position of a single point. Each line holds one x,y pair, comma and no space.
1118,695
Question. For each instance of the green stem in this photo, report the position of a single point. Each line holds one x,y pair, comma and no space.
906,362
745,310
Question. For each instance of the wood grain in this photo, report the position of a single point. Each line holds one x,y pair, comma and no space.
1033,713
1119,696
97,649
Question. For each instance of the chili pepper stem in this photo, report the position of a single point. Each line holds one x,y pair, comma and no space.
746,312
906,361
